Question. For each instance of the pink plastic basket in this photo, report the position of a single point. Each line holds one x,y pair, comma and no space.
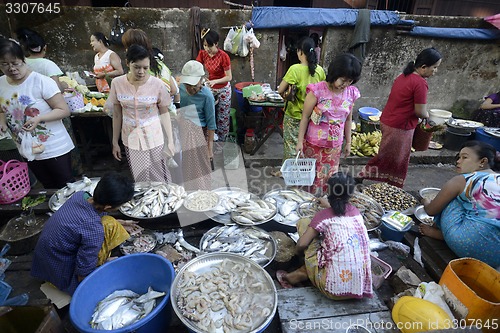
14,181
380,271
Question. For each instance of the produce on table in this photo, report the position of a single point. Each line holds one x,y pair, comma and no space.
390,197
366,144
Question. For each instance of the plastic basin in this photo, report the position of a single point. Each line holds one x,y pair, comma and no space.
439,116
367,111
391,233
136,272
481,135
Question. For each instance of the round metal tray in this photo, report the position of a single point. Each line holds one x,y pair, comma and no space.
224,191
429,191
59,193
306,195
194,196
271,246
205,263
308,208
139,186
422,216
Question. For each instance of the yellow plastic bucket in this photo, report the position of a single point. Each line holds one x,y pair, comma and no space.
472,290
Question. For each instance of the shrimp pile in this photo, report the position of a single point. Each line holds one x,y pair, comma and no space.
231,297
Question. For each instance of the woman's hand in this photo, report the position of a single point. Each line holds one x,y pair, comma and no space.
31,124
347,149
299,147
100,75
117,152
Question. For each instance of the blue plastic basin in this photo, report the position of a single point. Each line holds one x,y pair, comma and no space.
367,111
481,135
136,272
390,233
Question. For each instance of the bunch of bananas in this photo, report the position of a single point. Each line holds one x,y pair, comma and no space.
365,144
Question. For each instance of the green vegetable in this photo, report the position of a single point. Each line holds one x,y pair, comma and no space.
29,202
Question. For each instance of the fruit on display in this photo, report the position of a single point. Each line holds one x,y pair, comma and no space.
365,144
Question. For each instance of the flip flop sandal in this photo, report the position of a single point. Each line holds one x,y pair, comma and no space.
280,275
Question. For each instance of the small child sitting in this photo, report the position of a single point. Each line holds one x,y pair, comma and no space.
79,236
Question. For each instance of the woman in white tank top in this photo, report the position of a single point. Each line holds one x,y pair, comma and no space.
106,62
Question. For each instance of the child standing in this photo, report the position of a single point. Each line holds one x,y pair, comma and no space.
336,247
79,237
327,117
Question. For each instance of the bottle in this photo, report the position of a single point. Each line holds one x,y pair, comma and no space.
249,141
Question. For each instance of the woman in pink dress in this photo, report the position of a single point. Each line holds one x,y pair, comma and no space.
140,109
107,63
326,119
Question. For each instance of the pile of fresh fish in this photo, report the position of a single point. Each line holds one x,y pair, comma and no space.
288,202
123,308
154,200
229,297
253,212
61,196
230,200
252,243
370,210
201,201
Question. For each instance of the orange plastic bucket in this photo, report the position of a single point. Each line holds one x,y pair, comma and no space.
472,290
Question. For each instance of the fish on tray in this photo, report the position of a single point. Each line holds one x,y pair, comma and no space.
231,200
249,242
288,202
154,201
253,212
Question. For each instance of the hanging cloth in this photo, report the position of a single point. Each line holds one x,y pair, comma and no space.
361,35
195,31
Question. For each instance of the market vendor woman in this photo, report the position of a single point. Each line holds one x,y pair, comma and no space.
79,236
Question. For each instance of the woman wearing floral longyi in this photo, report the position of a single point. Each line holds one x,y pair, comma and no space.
31,102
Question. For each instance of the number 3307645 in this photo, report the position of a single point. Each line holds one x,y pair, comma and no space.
32,8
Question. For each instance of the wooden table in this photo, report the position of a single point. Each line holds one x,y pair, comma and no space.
273,120
85,137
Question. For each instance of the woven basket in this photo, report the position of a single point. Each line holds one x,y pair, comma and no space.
14,181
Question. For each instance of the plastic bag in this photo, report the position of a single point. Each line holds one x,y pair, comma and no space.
433,292
251,39
283,51
26,148
115,37
236,41
417,252
243,49
228,42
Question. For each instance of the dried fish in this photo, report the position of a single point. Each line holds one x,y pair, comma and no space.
201,201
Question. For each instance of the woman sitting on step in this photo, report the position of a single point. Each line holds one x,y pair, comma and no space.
467,209
335,246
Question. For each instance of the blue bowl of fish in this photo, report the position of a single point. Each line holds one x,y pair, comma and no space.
128,294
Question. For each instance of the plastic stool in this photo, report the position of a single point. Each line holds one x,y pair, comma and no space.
233,126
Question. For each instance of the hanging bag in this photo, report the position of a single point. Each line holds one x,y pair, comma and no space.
228,42
117,31
290,94
74,99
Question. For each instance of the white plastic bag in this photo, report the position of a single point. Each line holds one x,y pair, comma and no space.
433,292
252,41
243,49
236,41
26,148
228,42
283,51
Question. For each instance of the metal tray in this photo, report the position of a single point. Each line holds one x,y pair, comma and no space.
205,263
462,123
222,191
422,216
193,196
139,186
425,192
271,246
59,193
307,198
308,208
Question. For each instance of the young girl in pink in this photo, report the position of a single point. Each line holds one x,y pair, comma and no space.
326,119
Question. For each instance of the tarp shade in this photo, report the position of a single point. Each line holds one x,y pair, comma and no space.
294,17
456,33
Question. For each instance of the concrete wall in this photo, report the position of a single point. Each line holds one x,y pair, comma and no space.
470,68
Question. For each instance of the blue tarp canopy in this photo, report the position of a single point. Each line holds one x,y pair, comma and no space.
456,33
294,17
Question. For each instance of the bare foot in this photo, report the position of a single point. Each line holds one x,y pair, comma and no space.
297,276
430,231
